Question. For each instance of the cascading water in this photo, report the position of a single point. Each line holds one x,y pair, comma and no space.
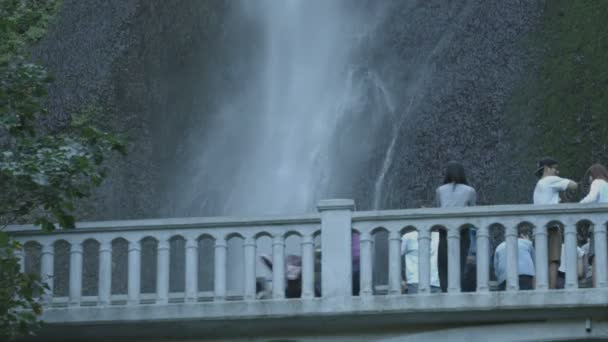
271,149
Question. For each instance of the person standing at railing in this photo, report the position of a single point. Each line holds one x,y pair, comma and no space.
598,193
456,192
547,191
409,249
525,261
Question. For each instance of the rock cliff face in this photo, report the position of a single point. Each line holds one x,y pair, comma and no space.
130,58
452,70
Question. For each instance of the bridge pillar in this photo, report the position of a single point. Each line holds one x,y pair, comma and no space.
336,265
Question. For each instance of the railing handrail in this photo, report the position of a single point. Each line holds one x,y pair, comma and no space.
480,211
175,223
315,218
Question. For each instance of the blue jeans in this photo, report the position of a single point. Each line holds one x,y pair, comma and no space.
413,288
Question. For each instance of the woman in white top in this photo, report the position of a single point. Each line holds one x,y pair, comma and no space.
598,193
456,192
598,177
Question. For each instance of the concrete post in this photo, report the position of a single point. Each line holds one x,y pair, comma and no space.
601,264
75,274
512,257
278,267
46,270
571,256
453,259
424,260
483,258
541,257
191,281
220,269
162,271
394,252
249,247
308,266
134,278
366,264
336,264
105,272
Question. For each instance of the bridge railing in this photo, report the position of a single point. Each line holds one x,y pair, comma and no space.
332,226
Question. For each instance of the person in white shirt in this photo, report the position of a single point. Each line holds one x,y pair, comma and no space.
456,192
598,177
598,193
546,192
561,271
409,249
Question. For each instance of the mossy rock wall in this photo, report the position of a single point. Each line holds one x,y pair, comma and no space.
561,108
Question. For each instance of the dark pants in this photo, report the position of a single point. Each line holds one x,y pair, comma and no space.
469,278
525,283
356,282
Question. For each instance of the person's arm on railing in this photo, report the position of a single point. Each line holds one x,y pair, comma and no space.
594,192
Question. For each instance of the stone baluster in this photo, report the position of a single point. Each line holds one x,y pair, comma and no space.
483,258
601,254
541,257
191,270
512,256
75,274
308,266
134,273
278,267
220,269
250,261
571,256
162,271
424,260
47,270
453,259
336,263
367,245
394,252
105,272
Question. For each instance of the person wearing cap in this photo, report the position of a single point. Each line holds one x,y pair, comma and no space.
547,191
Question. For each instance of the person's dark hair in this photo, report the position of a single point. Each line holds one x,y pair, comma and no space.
598,171
524,230
454,173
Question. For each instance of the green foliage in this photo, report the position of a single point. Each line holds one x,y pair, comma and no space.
19,306
563,105
44,169
23,22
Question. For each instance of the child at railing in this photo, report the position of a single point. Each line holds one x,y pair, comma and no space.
525,261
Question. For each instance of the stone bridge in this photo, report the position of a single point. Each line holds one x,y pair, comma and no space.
156,312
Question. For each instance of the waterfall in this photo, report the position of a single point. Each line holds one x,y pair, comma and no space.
271,148
268,150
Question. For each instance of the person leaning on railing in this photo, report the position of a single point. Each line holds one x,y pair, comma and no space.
598,193
547,191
